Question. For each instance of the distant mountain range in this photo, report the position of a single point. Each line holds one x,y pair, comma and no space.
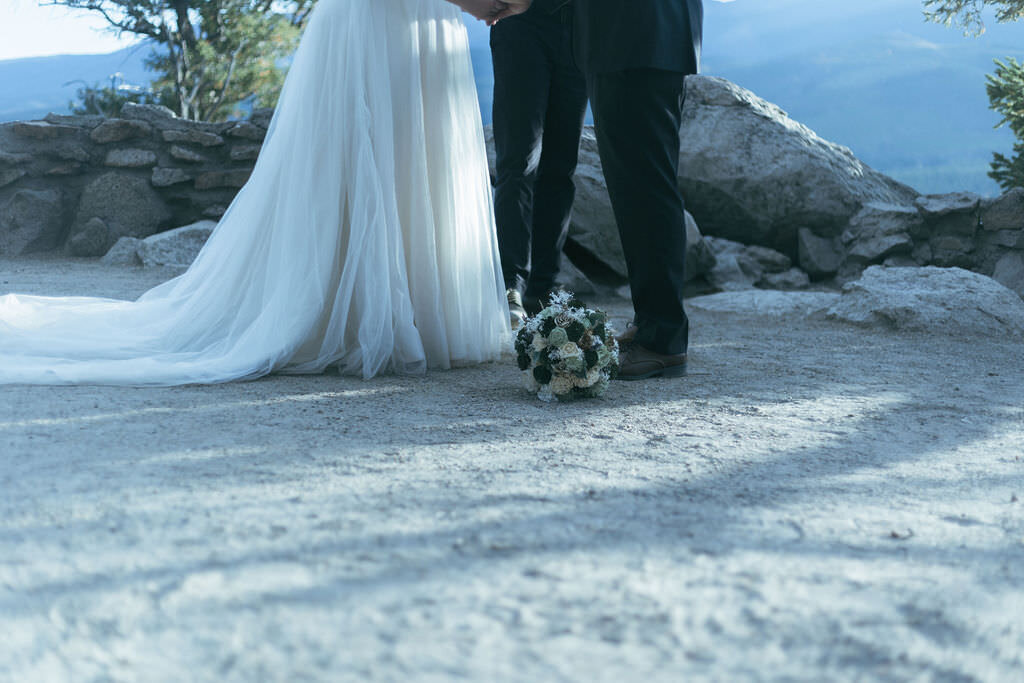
908,97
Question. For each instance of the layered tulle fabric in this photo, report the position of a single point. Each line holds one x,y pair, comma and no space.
364,238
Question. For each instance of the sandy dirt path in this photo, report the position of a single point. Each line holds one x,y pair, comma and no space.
814,502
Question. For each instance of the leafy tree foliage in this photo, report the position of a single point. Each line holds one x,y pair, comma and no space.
210,56
1005,87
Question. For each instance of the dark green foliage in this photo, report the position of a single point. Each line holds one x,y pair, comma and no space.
1005,87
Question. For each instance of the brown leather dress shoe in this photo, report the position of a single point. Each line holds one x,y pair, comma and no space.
627,337
640,363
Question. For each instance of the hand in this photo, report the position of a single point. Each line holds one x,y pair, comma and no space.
484,10
512,7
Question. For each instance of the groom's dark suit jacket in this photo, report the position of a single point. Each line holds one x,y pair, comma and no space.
615,35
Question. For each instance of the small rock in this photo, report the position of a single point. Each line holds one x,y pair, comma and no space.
91,239
178,247
165,177
11,176
30,221
40,130
881,230
119,130
75,120
949,251
794,278
193,137
943,301
262,117
1009,272
70,168
9,159
131,158
245,152
819,256
939,205
247,131
215,179
124,253
74,153
153,114
184,154
1005,212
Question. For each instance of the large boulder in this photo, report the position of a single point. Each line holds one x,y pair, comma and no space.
752,174
31,220
944,301
112,206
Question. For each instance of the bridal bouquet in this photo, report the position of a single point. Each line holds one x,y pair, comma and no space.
567,351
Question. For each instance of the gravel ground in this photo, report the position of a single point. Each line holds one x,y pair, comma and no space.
813,502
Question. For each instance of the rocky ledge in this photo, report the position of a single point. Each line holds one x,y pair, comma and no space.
771,204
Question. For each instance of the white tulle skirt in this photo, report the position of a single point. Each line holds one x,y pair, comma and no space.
364,239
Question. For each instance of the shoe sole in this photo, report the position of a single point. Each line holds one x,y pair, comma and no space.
667,373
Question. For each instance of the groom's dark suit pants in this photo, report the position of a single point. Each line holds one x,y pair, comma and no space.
637,116
540,101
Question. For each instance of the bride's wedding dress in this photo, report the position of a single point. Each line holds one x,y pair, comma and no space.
364,238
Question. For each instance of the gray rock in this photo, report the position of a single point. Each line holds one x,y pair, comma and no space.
92,239
178,247
946,301
65,169
794,278
87,121
879,231
119,130
153,114
769,260
185,154
935,206
11,175
952,251
819,257
732,270
214,179
11,159
262,117
124,253
1005,212
41,130
193,137
245,152
759,302
131,158
30,221
247,131
738,267
1009,272
165,177
752,174
126,204
73,153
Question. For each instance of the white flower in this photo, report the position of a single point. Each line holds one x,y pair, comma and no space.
570,350
561,385
540,342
